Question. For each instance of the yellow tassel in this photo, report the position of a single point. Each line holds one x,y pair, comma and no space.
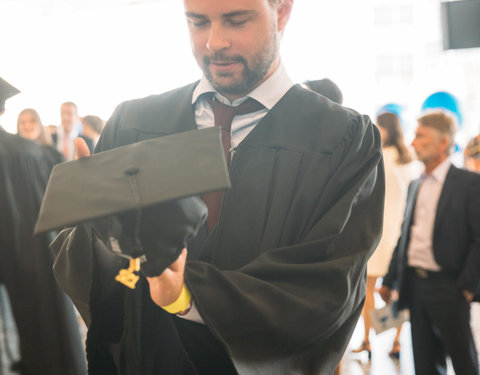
127,276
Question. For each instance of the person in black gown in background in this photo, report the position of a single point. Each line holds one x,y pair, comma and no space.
48,331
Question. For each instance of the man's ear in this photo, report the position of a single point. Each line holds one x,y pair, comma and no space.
446,143
283,13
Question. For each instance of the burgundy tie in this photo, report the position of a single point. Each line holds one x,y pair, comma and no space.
224,115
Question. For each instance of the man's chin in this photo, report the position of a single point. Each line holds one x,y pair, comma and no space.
228,86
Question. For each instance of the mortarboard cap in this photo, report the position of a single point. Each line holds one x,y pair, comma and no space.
6,91
140,198
165,169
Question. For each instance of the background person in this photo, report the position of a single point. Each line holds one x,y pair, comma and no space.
45,318
92,127
472,154
436,264
29,126
69,129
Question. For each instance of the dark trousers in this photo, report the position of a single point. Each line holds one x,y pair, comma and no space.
440,323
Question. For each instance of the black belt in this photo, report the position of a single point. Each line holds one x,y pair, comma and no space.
432,275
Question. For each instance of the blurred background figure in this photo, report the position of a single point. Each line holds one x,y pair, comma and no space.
400,169
435,266
29,126
48,332
52,130
92,127
472,162
327,88
472,154
68,130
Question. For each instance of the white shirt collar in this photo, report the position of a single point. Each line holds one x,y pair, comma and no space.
440,172
268,93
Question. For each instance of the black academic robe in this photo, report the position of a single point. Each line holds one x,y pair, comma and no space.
45,318
281,280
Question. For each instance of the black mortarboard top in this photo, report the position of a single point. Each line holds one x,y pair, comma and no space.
161,169
6,91
141,199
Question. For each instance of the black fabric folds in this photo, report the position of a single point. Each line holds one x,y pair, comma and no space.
157,233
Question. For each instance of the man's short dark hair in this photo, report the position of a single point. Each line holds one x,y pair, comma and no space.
95,122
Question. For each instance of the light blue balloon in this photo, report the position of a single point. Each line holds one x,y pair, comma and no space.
444,101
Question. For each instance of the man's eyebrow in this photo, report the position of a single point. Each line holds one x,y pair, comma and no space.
238,13
194,15
226,15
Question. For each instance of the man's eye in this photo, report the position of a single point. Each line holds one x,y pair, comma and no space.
235,22
198,23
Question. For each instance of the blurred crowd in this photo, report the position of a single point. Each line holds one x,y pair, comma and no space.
60,137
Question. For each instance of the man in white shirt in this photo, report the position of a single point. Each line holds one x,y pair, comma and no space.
436,264
68,130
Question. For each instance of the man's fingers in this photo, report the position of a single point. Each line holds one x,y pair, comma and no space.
81,148
166,287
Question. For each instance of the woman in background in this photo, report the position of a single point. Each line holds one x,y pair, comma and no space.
400,169
29,126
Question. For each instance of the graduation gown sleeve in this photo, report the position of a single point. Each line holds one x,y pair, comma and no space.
297,291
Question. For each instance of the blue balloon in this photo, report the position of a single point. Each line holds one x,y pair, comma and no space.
444,101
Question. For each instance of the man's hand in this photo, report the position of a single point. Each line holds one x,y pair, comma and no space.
166,288
81,148
386,293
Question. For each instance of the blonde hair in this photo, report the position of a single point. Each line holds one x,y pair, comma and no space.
44,138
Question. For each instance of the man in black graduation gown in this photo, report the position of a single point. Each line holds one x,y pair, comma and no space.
45,317
277,286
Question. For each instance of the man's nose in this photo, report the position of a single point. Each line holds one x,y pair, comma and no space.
218,39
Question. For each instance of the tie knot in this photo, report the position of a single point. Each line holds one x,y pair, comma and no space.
224,113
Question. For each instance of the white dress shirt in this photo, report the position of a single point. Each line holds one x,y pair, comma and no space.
420,250
63,138
268,94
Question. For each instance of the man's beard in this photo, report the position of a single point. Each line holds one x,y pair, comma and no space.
251,75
